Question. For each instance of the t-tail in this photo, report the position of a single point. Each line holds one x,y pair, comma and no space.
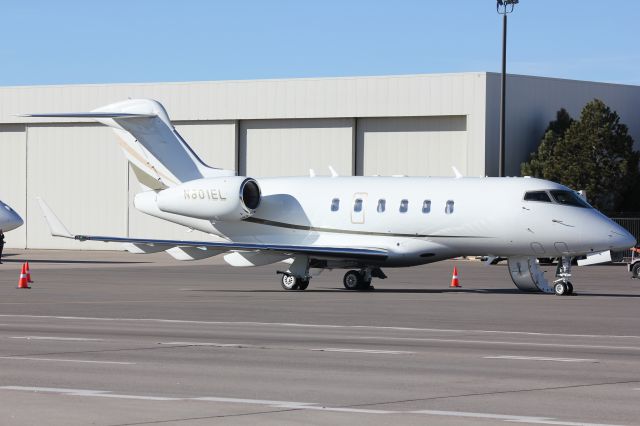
159,156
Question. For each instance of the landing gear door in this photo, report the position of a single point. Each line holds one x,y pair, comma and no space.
358,207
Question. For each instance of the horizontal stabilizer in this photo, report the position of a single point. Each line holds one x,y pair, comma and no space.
88,115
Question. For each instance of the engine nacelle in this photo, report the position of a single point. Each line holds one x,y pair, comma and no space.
222,198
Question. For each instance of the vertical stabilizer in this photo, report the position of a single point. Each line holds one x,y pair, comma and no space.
160,158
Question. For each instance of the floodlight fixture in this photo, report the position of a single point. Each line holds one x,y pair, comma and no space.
506,6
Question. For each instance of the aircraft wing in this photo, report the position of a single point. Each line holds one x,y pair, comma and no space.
57,229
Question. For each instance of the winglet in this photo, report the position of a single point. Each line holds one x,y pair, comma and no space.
56,227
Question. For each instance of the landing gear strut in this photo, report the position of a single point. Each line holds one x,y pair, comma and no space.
562,286
358,280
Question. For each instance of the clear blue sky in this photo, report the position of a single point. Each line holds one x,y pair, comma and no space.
89,41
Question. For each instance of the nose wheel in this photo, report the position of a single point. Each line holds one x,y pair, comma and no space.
562,286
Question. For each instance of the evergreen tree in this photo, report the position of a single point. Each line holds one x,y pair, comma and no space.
541,162
594,153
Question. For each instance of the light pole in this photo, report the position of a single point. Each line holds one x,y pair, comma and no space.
503,7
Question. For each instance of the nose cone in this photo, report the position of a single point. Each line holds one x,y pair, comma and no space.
620,238
9,219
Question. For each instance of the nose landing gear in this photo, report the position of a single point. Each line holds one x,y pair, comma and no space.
562,286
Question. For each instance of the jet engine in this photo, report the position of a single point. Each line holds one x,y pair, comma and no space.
222,198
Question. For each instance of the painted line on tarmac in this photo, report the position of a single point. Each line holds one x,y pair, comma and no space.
507,418
540,358
86,392
23,358
285,324
293,405
425,339
73,339
363,351
497,342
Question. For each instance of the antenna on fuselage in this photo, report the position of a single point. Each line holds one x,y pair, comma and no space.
333,172
456,172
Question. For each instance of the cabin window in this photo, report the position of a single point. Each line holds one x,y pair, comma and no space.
449,208
568,198
382,204
537,196
404,206
357,205
335,204
426,206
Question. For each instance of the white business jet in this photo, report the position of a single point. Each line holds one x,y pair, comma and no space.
9,219
361,224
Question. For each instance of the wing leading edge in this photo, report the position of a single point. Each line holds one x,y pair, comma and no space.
57,229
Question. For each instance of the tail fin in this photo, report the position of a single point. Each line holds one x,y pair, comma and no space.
159,156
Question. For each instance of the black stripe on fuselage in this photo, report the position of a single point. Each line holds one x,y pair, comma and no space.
348,231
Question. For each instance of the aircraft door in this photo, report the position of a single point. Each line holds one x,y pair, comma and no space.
358,207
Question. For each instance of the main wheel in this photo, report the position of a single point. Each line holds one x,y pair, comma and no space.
352,280
303,284
635,270
569,288
560,289
290,282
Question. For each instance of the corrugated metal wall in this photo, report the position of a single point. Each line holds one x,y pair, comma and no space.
414,125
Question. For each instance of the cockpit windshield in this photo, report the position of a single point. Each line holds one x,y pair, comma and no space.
568,198
537,196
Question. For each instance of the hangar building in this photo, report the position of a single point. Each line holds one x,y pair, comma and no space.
390,125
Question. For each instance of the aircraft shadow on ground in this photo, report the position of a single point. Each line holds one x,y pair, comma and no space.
420,291
377,290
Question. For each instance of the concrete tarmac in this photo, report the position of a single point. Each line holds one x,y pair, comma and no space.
110,338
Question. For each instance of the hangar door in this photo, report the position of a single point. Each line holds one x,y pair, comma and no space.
80,171
414,146
290,147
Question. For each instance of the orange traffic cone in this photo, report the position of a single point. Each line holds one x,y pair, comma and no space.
28,273
455,283
22,282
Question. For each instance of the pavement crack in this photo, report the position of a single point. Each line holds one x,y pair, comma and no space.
219,416
97,351
513,391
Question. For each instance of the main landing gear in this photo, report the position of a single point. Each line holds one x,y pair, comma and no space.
358,280
291,282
